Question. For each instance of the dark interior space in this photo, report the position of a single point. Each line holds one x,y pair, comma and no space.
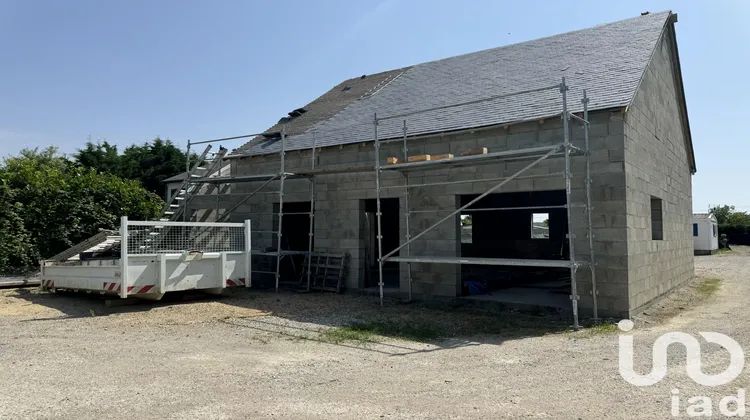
526,233
389,208
295,227
295,230
507,233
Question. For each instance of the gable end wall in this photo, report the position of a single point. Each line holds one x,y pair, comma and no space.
657,164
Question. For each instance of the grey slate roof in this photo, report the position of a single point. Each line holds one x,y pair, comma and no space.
336,99
607,60
175,178
703,216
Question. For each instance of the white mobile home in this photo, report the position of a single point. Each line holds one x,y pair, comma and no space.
705,234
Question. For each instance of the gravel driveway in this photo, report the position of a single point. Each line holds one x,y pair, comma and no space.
258,355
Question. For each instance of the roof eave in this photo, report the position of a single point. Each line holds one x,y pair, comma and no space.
681,92
241,155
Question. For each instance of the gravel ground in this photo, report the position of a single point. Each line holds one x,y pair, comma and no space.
259,355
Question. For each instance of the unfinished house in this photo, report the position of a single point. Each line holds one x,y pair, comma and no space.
551,172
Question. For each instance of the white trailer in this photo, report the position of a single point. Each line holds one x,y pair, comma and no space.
150,258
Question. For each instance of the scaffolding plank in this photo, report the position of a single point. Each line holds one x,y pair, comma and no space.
506,154
419,158
245,178
283,253
475,151
528,153
516,262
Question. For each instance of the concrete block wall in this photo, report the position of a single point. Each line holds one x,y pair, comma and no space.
339,206
657,165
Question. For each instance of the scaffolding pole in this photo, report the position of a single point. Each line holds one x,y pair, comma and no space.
187,175
565,149
407,215
248,197
568,193
592,256
282,177
267,179
311,231
562,206
377,211
469,204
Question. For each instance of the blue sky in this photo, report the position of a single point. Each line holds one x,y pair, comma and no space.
128,71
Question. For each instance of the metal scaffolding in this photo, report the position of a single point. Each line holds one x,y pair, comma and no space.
193,183
565,149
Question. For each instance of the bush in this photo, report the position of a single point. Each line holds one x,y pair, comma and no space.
735,224
737,234
16,249
49,204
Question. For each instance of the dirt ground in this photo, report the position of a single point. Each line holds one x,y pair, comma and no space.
258,355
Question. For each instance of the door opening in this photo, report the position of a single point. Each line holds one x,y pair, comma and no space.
295,231
389,208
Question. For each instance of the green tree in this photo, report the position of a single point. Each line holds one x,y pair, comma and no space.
49,204
101,156
151,163
739,218
721,213
148,163
727,215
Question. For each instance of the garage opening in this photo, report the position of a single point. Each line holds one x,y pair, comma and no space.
524,225
389,208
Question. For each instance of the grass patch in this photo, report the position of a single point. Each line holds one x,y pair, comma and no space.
456,325
602,328
430,323
708,287
349,333
724,251
369,331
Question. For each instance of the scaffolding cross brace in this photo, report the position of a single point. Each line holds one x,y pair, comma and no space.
537,154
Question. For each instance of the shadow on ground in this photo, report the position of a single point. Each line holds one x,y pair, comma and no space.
345,320
83,305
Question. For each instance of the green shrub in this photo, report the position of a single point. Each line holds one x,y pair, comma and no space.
49,204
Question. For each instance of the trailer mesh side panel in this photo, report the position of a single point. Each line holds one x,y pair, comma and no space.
171,239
